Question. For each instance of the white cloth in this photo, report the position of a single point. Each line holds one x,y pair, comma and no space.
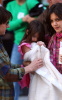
46,83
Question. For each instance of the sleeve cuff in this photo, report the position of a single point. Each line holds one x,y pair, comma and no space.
21,73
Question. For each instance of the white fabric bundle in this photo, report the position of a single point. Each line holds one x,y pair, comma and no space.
46,83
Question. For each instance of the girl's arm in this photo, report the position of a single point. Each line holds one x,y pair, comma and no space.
24,50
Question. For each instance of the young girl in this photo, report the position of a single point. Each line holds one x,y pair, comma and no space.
46,82
34,33
55,44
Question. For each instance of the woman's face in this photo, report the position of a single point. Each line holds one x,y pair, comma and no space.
56,22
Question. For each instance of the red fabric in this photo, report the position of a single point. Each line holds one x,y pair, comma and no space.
26,79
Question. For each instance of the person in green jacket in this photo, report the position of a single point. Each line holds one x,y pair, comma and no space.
18,9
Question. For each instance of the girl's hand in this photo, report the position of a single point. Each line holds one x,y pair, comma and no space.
40,43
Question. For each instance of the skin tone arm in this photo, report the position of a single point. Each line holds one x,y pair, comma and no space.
28,19
24,50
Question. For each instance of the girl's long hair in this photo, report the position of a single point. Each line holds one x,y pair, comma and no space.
57,9
33,28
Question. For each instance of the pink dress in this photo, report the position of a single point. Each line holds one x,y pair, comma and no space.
26,79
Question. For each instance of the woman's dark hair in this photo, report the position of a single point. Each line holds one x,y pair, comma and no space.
57,9
33,28
4,15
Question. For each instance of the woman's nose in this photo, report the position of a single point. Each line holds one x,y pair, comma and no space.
54,23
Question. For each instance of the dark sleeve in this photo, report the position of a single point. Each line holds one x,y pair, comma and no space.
7,71
11,74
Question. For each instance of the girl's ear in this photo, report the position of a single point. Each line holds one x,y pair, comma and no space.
27,32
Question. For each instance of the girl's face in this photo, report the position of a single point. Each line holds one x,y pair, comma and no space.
35,37
56,22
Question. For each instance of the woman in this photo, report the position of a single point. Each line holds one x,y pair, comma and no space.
55,26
